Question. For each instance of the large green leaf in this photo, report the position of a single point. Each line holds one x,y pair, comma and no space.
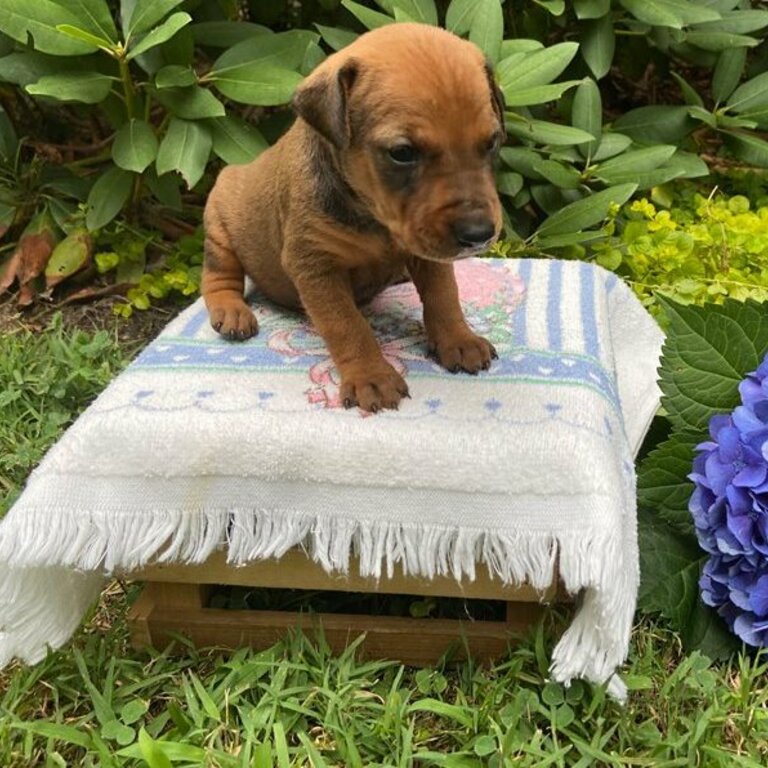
620,169
750,95
522,160
257,83
458,17
543,132
611,145
39,18
147,13
748,148
94,16
562,176
737,22
86,87
537,68
537,94
598,43
175,76
284,50
185,148
107,197
670,13
337,37
584,213
591,9
662,479
708,351
422,11
160,35
487,29
235,141
368,18
656,124
190,103
720,41
587,115
730,65
135,146
669,570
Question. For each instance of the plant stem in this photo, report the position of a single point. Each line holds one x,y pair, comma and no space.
128,87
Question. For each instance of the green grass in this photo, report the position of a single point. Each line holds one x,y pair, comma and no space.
99,704
46,379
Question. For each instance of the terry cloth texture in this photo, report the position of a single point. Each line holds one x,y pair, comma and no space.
203,444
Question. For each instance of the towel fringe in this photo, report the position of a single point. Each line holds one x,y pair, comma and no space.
595,561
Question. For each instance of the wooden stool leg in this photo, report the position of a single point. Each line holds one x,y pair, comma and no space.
158,598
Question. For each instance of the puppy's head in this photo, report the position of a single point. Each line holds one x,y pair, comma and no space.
416,120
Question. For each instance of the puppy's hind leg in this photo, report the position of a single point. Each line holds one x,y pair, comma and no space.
222,285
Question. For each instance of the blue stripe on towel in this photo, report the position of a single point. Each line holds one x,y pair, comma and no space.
553,305
588,311
194,324
519,329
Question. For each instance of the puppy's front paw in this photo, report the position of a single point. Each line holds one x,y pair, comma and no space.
464,351
233,319
373,387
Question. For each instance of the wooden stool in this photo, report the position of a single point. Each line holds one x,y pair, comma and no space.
174,600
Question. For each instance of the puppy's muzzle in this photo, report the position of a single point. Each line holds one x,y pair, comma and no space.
473,234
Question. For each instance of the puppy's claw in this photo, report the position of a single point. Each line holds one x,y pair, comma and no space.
494,353
348,403
455,368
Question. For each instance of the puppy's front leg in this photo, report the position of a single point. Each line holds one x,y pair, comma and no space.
367,379
455,344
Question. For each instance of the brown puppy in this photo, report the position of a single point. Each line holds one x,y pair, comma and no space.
387,171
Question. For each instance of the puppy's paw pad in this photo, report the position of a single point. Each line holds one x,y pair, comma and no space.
235,323
468,352
374,389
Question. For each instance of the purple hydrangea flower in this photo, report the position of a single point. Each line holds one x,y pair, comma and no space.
729,506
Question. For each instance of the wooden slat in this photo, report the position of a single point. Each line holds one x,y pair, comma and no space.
295,570
412,641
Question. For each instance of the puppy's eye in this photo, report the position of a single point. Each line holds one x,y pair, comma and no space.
404,154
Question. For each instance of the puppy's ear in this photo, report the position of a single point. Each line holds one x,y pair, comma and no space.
497,97
322,101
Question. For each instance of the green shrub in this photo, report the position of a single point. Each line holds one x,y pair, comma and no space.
171,86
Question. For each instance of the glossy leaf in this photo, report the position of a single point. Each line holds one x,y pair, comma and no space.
591,9
522,160
458,17
540,94
147,13
336,37
610,145
690,96
656,124
135,146
587,114
487,29
543,132
720,41
750,149
80,34
421,11
538,68
175,76
281,50
598,44
21,18
727,74
586,212
160,35
367,17
108,195
737,22
236,141
185,148
86,87
191,103
620,169
257,83
749,95
71,255
562,176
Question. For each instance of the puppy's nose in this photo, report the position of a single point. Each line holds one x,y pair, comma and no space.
472,231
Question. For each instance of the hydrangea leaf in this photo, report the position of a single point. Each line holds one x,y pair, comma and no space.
708,351
670,563
662,479
708,633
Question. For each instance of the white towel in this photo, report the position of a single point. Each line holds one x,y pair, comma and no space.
203,443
